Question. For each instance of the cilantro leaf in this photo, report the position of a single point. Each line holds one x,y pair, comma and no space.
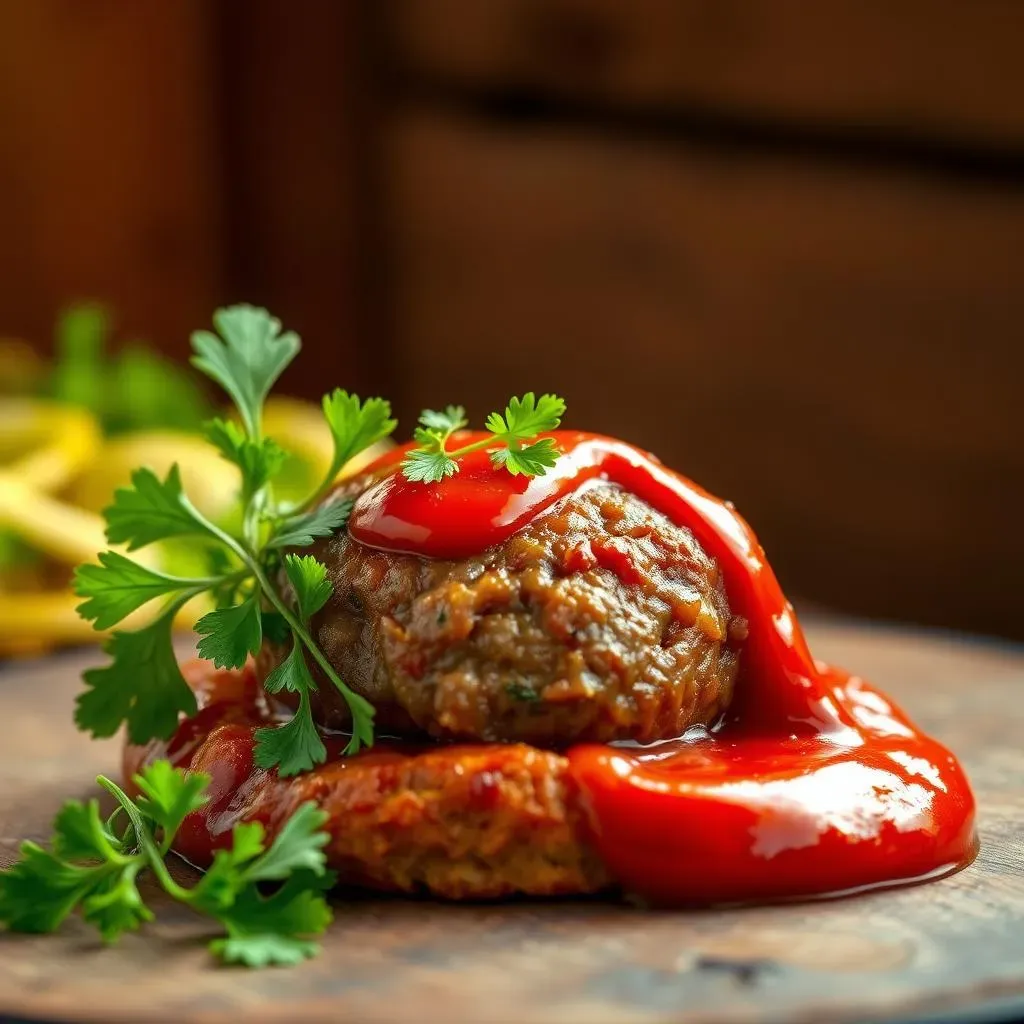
451,419
79,833
168,795
40,890
150,510
430,461
533,460
527,417
118,586
355,425
227,636
362,721
428,467
292,674
89,868
293,747
115,905
299,531
299,845
259,461
142,686
266,930
275,628
247,358
308,578
225,878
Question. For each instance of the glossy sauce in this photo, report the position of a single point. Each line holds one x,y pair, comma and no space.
814,784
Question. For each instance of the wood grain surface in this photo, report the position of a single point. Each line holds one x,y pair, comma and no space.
933,951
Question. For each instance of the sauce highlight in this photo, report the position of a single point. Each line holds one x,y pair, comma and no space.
813,784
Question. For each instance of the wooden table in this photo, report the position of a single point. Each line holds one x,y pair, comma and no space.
952,950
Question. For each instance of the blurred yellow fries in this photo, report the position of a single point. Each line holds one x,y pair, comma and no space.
57,473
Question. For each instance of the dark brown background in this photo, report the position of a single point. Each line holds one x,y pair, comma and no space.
780,243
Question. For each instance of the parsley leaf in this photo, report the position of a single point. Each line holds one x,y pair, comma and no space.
291,674
227,636
259,461
150,510
115,905
169,795
451,419
299,845
275,628
428,466
355,425
225,878
533,460
247,358
80,833
527,417
142,686
118,586
265,930
431,460
300,531
90,869
40,890
293,747
308,578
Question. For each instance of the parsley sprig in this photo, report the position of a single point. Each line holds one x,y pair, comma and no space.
143,686
94,864
511,443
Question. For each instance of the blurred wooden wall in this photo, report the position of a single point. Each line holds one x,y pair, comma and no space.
780,243
167,156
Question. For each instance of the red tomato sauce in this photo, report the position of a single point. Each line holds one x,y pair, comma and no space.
813,784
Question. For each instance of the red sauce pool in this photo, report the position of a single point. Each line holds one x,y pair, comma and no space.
815,784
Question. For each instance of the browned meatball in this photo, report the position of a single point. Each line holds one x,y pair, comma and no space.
471,822
601,620
474,822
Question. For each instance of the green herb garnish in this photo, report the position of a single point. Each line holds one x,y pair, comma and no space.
93,865
509,444
143,685
519,691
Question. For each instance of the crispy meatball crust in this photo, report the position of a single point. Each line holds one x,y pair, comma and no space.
461,822
474,822
601,620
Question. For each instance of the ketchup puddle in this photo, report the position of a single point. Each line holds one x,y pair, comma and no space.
814,784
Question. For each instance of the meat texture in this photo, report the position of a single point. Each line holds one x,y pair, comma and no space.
470,822
600,621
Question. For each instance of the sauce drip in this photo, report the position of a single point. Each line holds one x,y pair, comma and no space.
813,784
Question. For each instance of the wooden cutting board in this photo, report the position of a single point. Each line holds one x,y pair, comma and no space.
945,951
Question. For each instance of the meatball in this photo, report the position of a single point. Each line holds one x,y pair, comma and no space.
601,620
473,822
476,822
